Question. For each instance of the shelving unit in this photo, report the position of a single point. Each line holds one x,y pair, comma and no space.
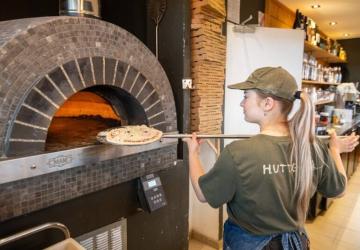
308,82
321,54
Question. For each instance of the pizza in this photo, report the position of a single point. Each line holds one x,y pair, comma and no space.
131,135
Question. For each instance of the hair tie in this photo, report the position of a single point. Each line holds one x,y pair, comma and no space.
298,94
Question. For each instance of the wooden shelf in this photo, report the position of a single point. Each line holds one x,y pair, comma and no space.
323,102
321,54
318,83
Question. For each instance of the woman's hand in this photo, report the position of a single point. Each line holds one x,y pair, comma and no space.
193,144
345,144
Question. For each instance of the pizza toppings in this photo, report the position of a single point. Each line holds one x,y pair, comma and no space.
132,135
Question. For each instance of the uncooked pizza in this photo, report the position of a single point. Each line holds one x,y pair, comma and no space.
133,135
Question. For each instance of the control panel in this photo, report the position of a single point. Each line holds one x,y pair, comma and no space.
151,193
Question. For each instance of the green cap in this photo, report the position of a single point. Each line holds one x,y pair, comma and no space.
273,80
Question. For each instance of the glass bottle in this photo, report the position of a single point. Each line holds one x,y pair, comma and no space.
335,48
336,75
308,30
297,21
313,95
315,71
340,76
320,77
342,54
317,37
326,74
328,44
305,21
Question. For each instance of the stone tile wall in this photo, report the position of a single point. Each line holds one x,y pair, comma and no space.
24,196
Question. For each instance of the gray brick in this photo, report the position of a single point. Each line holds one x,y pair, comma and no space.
25,196
31,48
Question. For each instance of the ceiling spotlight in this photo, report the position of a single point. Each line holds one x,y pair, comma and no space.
346,35
315,6
333,23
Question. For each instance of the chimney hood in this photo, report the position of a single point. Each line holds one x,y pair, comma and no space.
88,8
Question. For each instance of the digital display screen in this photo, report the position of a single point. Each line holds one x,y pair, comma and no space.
152,183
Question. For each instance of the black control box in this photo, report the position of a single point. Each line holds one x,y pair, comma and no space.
151,193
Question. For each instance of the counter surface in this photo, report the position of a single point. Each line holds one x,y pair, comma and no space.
347,127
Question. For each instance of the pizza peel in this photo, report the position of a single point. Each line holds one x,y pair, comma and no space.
102,137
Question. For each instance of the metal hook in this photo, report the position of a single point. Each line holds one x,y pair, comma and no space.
243,28
247,20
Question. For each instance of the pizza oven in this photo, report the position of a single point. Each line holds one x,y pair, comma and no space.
63,80
61,76
71,85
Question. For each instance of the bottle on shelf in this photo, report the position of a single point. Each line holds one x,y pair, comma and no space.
320,77
335,74
342,54
298,21
335,118
313,95
332,75
339,78
313,36
335,48
314,71
309,28
301,22
305,69
324,118
306,22
317,36
323,43
312,32
328,44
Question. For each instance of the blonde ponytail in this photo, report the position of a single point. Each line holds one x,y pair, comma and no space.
302,132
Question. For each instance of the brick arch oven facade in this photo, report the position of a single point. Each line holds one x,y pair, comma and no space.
47,60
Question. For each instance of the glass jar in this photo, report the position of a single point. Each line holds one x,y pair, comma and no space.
324,118
313,95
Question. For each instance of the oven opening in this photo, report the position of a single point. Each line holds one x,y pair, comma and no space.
79,119
77,122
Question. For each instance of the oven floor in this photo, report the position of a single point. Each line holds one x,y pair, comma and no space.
71,132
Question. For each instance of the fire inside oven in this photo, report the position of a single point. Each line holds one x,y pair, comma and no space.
86,113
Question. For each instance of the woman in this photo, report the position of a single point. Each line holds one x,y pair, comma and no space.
267,181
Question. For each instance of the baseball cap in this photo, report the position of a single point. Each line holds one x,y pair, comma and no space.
273,80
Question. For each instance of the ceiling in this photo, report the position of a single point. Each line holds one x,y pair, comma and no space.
345,12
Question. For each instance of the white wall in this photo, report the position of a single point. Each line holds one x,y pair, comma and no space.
203,218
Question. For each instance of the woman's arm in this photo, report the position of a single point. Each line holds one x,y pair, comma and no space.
338,146
195,166
196,171
335,155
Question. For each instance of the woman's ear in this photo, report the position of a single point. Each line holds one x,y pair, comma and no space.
268,103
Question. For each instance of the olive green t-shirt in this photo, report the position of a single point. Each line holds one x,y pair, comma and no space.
256,180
